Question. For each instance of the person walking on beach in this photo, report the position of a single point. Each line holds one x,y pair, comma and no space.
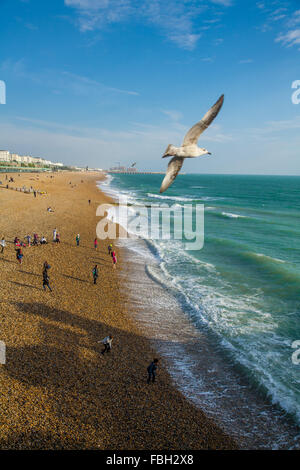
96,243
77,239
46,280
107,344
110,249
46,266
151,369
28,238
19,254
2,244
114,259
95,273
57,238
54,234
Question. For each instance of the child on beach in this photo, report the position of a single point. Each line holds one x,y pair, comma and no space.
95,274
77,239
28,238
57,238
110,247
43,241
107,344
2,244
95,243
114,259
19,254
35,239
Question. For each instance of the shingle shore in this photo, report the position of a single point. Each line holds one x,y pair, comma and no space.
57,390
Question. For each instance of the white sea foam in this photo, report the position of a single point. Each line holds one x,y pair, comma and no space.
261,255
233,216
170,198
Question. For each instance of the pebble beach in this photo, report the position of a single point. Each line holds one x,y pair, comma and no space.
57,390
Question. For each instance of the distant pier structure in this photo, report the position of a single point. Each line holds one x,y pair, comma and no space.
132,171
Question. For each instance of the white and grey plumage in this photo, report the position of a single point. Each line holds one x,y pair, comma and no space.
189,148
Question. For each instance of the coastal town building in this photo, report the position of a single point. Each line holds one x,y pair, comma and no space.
4,155
13,158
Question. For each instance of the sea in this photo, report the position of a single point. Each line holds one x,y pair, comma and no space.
224,318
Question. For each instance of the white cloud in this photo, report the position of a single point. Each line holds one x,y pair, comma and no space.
218,41
173,115
291,38
88,82
282,16
61,81
179,20
225,3
294,19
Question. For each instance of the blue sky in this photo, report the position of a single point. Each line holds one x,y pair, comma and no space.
95,82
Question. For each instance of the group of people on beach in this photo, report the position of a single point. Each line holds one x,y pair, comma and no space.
19,245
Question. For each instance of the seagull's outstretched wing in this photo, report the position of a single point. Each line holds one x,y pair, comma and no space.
193,134
172,171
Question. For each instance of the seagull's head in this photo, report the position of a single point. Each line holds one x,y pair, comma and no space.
169,151
204,152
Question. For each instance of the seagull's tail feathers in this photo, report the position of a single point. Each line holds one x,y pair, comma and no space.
167,152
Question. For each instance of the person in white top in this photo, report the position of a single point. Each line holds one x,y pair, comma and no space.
54,234
2,244
107,344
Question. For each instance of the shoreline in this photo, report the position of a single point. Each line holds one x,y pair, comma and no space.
200,369
61,393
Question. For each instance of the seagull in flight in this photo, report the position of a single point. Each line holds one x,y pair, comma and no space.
189,148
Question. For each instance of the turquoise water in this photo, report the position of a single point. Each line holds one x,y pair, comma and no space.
243,286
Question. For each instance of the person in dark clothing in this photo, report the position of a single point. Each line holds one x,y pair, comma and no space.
151,369
46,266
95,274
107,344
46,280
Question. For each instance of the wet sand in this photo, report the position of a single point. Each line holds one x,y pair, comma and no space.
57,390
